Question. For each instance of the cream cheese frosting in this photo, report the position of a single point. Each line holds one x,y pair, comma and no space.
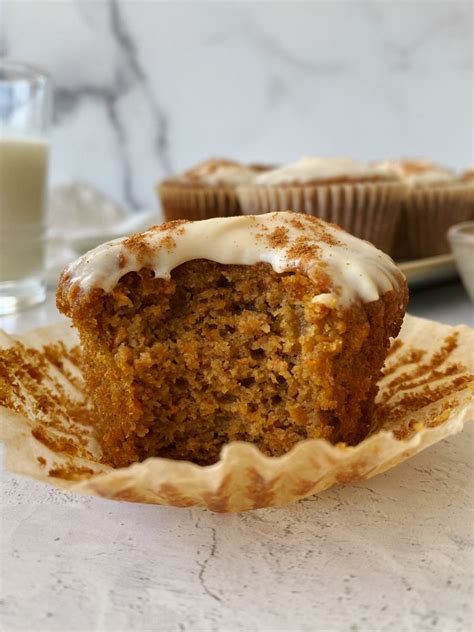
220,172
468,174
287,241
417,172
311,168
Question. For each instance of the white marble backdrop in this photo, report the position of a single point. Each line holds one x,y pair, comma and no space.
144,88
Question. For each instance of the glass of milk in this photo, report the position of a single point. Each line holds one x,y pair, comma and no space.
25,114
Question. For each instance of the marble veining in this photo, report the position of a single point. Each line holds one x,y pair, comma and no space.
130,74
147,88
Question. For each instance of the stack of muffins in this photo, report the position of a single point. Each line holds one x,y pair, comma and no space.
404,207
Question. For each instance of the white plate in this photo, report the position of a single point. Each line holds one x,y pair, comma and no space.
430,270
91,238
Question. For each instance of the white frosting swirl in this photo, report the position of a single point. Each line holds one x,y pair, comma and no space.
311,168
287,241
417,172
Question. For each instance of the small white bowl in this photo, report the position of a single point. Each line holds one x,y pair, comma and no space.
461,240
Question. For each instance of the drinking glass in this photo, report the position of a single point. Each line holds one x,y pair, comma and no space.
25,114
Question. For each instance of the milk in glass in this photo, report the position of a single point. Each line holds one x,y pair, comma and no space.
25,115
23,179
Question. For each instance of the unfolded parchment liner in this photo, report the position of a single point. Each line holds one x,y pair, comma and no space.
425,395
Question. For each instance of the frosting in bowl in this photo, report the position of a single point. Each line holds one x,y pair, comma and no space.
354,268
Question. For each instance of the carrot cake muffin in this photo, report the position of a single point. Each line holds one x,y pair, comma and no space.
206,190
268,329
467,177
362,199
468,174
435,199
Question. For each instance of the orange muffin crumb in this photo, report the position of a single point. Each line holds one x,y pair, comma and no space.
177,367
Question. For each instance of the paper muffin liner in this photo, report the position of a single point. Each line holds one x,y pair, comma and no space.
469,186
425,395
368,210
426,215
197,202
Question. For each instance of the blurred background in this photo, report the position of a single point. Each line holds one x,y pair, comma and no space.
146,88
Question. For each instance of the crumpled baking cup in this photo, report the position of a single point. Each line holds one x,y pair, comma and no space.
369,210
426,394
197,202
426,215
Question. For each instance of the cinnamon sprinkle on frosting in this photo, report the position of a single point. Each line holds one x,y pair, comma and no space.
279,237
354,269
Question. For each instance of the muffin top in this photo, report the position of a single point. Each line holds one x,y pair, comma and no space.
218,172
468,174
417,171
314,169
344,268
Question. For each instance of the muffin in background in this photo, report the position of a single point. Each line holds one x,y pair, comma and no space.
360,198
467,177
468,174
436,198
206,190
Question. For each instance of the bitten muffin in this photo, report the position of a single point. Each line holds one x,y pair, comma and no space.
435,199
361,199
269,329
206,190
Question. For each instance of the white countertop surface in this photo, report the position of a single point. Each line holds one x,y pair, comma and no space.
393,553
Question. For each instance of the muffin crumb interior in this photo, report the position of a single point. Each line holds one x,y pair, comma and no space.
178,368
